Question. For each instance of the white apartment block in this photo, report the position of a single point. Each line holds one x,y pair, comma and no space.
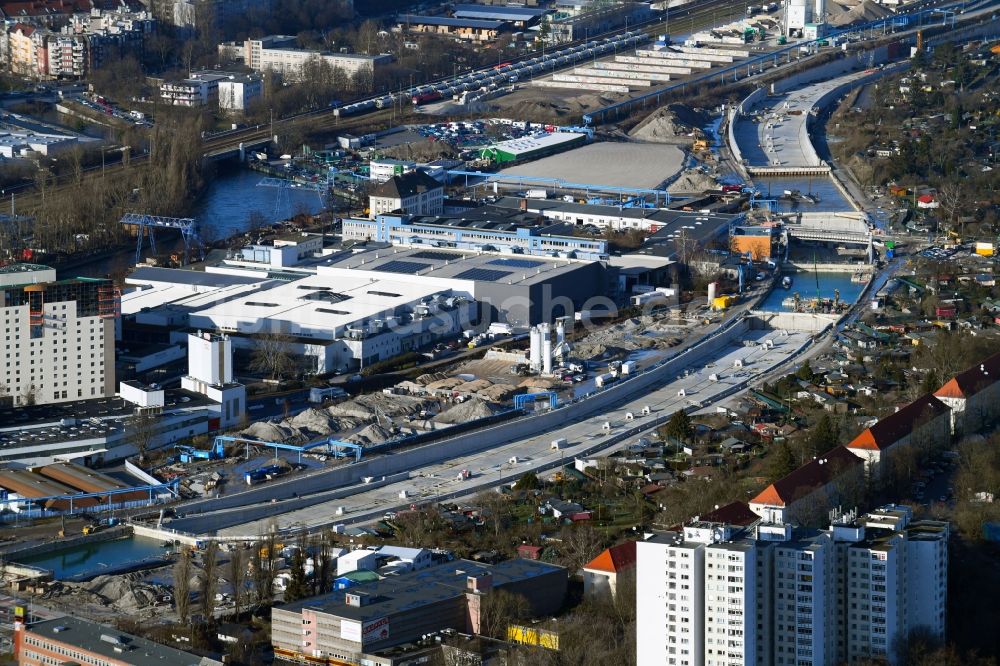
723,595
277,53
58,336
239,92
730,603
803,595
232,91
671,599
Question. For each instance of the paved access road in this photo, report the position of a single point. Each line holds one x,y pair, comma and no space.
441,481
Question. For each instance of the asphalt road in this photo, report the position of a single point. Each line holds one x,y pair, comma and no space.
441,481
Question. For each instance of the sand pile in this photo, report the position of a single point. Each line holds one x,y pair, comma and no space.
125,595
373,434
661,126
471,409
318,422
616,342
848,13
365,406
271,432
693,180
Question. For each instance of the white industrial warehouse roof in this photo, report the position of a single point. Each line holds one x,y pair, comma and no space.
320,306
535,142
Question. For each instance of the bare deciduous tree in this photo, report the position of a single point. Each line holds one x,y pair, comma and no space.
498,608
182,586
237,574
272,355
208,582
141,430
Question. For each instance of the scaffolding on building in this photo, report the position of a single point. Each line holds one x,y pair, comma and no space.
145,225
109,301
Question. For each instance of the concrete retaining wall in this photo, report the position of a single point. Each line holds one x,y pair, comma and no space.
246,514
291,492
746,106
601,80
628,75
109,534
599,87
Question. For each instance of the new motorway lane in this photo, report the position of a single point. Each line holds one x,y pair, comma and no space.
704,382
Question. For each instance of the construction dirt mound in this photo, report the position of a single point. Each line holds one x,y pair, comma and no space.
271,432
125,595
367,406
692,180
847,13
551,105
320,422
373,434
470,410
669,124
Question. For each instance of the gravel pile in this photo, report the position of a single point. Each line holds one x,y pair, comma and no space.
693,180
364,406
848,13
661,126
471,409
272,432
373,434
617,341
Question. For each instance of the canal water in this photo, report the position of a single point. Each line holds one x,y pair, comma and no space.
831,200
94,558
804,282
232,203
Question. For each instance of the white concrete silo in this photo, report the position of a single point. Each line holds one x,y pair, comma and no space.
546,349
535,349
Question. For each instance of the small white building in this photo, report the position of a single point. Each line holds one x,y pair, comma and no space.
238,93
383,169
357,560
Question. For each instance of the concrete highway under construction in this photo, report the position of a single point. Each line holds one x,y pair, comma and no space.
719,366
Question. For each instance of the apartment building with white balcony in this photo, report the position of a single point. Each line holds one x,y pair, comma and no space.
803,595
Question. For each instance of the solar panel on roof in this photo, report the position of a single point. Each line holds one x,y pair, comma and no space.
482,274
435,256
398,266
516,263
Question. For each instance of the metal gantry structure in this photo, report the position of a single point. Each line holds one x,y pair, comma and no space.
334,447
321,187
146,225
